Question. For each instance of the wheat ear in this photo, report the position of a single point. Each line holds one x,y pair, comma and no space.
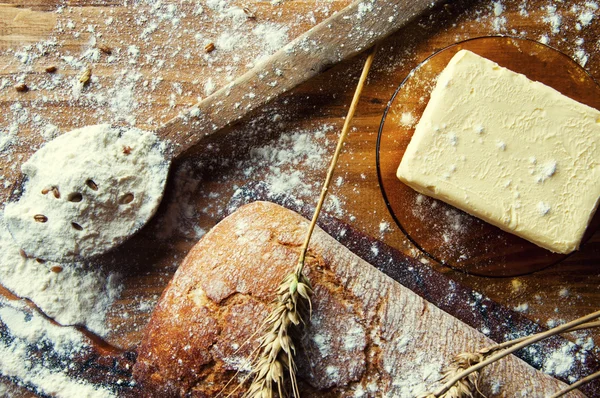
462,375
293,304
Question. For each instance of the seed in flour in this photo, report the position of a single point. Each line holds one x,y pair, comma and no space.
54,190
90,183
77,226
105,49
40,218
126,199
21,87
210,47
249,14
85,76
75,197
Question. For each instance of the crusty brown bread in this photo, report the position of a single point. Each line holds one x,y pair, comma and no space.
368,337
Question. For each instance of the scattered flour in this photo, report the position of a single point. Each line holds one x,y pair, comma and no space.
375,249
7,138
282,157
498,8
553,18
523,307
229,41
585,14
559,362
499,21
209,86
407,119
384,227
272,36
31,330
122,99
586,18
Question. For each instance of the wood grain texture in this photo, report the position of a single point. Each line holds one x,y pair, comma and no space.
339,37
207,183
19,26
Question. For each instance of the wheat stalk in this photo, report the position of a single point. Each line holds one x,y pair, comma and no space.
462,375
293,303
577,384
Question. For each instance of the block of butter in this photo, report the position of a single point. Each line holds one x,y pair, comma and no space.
511,151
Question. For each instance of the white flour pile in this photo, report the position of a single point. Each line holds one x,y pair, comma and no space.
71,294
87,191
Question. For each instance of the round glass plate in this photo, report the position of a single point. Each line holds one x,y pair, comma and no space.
443,232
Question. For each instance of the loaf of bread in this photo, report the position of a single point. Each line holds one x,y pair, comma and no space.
368,335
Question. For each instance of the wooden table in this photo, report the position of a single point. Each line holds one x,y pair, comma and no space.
158,67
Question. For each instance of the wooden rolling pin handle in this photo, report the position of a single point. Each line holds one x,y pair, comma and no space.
339,37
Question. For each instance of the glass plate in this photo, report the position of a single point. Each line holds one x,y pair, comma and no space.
441,231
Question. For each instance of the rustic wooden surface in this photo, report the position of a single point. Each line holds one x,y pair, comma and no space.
335,39
560,292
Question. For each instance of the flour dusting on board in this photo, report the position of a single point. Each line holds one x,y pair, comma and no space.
31,330
285,155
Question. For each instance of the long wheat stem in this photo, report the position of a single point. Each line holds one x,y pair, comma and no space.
513,346
293,303
510,343
334,160
577,384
